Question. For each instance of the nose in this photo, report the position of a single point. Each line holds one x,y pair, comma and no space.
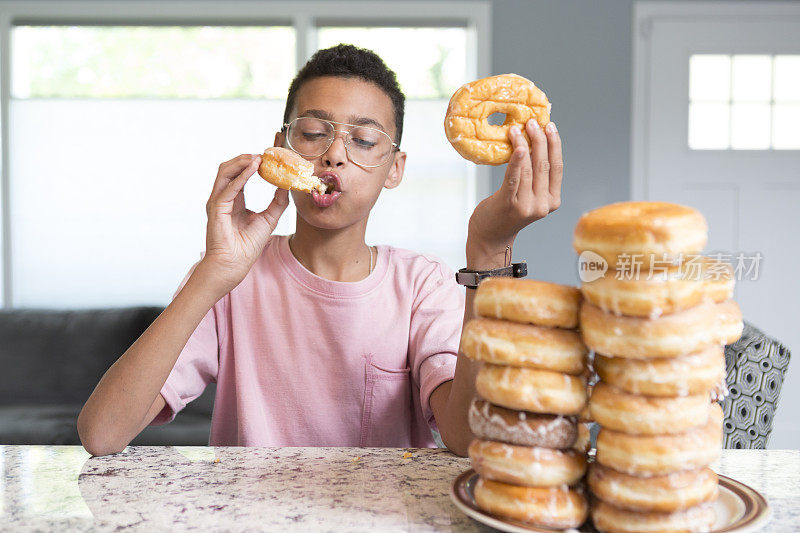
336,155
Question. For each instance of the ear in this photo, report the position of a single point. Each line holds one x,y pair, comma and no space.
279,139
395,175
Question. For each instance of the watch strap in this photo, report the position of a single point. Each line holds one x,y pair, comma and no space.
472,278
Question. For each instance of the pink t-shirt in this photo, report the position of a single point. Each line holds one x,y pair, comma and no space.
304,361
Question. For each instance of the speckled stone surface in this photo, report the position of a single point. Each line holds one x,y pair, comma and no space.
59,488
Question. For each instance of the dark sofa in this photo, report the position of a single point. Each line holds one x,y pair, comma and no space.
53,359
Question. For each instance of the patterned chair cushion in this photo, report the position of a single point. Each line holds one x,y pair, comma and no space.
755,369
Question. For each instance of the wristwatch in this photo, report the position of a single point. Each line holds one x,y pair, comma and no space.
472,278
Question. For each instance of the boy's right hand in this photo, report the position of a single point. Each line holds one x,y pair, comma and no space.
236,236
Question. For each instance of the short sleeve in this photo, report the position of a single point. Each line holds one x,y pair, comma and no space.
435,334
197,365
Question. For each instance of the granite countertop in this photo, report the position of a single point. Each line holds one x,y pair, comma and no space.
284,489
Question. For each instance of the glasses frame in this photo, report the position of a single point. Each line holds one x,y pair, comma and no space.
395,147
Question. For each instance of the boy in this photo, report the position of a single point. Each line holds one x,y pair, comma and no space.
317,339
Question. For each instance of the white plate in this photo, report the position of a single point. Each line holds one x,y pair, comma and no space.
739,508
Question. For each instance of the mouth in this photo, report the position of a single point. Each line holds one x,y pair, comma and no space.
331,181
332,191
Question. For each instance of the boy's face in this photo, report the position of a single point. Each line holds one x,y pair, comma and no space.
351,101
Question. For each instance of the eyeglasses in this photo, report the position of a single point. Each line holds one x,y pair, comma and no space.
366,147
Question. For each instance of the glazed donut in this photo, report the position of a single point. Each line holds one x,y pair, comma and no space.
656,232
610,519
647,415
661,293
538,391
286,169
681,333
525,465
667,376
663,494
654,455
584,441
507,343
528,301
492,422
542,506
465,123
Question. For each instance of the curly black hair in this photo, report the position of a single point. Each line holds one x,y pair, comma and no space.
348,61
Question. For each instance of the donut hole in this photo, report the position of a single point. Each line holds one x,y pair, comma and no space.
496,119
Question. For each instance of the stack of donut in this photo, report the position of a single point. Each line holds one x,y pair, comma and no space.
658,339
532,386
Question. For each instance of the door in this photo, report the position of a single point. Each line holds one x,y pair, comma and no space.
717,120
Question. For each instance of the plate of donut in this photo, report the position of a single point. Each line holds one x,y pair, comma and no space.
739,508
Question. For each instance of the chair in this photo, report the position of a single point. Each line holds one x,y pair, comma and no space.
755,369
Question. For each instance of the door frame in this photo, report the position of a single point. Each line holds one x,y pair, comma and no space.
645,13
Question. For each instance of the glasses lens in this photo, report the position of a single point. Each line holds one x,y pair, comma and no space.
310,137
368,146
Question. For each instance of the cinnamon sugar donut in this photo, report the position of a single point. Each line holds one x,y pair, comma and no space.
528,301
671,492
667,376
680,333
492,422
508,343
653,231
465,123
610,519
652,455
286,169
526,465
542,506
538,391
647,415
661,292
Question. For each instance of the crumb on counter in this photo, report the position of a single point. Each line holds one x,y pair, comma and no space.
216,460
356,459
408,455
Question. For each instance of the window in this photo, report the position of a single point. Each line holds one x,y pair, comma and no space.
744,102
116,134
115,131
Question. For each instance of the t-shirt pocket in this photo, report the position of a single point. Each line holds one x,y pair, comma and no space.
386,419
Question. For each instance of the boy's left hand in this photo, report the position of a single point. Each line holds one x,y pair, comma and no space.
531,190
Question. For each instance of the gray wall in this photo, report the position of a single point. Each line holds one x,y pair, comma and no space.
579,53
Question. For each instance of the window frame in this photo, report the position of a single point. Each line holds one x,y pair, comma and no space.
304,17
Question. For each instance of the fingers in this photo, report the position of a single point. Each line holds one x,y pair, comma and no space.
236,185
276,208
540,163
556,165
229,170
518,172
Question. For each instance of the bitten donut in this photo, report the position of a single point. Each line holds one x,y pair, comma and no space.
616,409
465,123
492,422
286,169
542,506
661,293
610,519
538,391
664,494
681,333
654,455
528,301
654,231
525,465
507,343
667,376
